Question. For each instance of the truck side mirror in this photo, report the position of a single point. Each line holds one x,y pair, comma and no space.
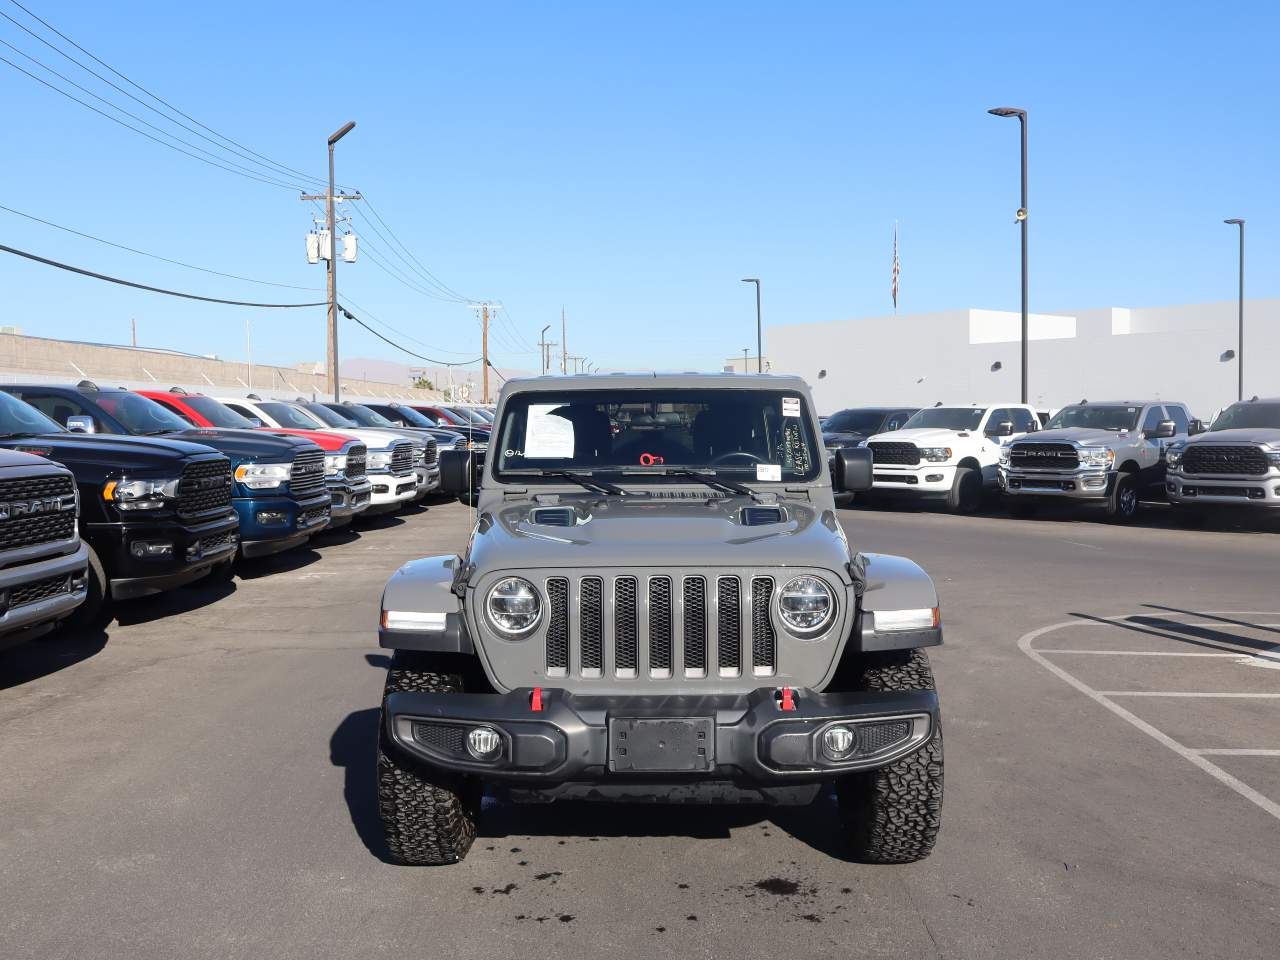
853,473
81,424
1164,429
1003,429
458,473
1195,427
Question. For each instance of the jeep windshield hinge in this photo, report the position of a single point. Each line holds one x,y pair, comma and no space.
461,574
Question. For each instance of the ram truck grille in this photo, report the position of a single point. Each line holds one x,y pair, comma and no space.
896,454
1043,456
205,487
402,457
357,457
430,455
306,476
1212,458
33,510
630,626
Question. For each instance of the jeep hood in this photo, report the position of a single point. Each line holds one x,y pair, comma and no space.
1243,435
644,531
1081,435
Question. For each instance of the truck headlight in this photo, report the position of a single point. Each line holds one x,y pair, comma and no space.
1097,456
141,494
334,464
263,476
936,454
805,604
1273,457
1004,456
379,461
1173,457
513,606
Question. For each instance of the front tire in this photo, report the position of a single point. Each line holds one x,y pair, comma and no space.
95,611
1122,505
965,494
893,814
428,815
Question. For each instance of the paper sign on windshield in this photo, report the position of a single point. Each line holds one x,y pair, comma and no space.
791,406
547,436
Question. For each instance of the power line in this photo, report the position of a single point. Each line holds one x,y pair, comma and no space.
280,168
439,363
444,286
143,286
155,256
375,319
89,106
445,293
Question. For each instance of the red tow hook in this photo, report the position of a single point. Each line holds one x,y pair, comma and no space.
535,701
788,700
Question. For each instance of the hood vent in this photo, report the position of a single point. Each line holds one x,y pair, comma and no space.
762,516
554,516
707,494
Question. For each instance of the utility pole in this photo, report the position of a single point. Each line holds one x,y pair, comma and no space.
484,347
564,345
248,347
1240,306
542,349
331,350
133,327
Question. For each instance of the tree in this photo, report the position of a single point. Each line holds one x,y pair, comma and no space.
422,382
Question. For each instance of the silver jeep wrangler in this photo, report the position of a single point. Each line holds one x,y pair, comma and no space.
658,603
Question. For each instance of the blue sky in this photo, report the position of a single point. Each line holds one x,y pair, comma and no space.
632,163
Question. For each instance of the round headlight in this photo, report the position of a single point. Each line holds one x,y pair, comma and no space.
805,604
513,606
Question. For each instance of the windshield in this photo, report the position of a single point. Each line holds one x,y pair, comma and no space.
1242,415
947,418
854,421
363,415
21,418
326,416
218,414
1116,417
138,414
754,434
486,416
289,416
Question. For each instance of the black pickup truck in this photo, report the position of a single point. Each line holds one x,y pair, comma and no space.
156,514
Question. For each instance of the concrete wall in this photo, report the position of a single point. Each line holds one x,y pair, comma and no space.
36,359
1171,353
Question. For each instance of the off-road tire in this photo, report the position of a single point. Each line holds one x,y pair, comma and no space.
95,611
893,814
965,495
428,815
1122,504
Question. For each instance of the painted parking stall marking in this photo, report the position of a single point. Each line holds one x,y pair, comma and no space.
1203,661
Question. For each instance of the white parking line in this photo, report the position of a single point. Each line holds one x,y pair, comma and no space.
1223,752
1180,693
1144,653
1198,758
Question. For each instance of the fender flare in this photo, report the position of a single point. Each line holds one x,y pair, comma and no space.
420,611
890,585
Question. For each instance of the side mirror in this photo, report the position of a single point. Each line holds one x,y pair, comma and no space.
1196,426
256,422
1164,429
81,424
853,470
1002,429
458,472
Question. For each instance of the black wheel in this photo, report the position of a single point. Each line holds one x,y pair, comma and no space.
94,612
965,495
223,572
428,815
1122,505
1021,507
893,814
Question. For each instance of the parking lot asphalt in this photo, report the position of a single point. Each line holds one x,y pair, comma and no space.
198,780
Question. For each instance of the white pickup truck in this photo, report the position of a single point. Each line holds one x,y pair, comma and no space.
948,452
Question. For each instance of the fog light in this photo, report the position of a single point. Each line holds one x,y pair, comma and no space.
381,488
933,478
484,743
839,742
147,549
272,518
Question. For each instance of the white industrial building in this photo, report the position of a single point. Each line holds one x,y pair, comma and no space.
1185,352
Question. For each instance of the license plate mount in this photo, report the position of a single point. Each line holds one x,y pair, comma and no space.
661,745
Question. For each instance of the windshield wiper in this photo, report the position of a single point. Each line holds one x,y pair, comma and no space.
20,435
707,477
581,479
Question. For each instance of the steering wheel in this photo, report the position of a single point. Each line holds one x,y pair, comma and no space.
751,457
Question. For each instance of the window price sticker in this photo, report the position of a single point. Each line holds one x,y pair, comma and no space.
791,406
769,472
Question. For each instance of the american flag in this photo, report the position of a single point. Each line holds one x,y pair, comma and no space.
896,268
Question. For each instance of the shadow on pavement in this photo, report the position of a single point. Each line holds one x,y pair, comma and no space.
380,521
1196,636
48,654
194,596
353,747
285,562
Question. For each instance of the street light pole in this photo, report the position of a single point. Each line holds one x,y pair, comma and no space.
1022,220
759,336
332,358
1240,342
542,349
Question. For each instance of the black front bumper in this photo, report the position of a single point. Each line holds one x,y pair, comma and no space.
197,546
746,739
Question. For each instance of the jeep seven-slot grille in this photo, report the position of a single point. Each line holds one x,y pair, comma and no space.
900,454
205,486
1224,458
306,476
1043,456
356,459
23,524
402,457
630,626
